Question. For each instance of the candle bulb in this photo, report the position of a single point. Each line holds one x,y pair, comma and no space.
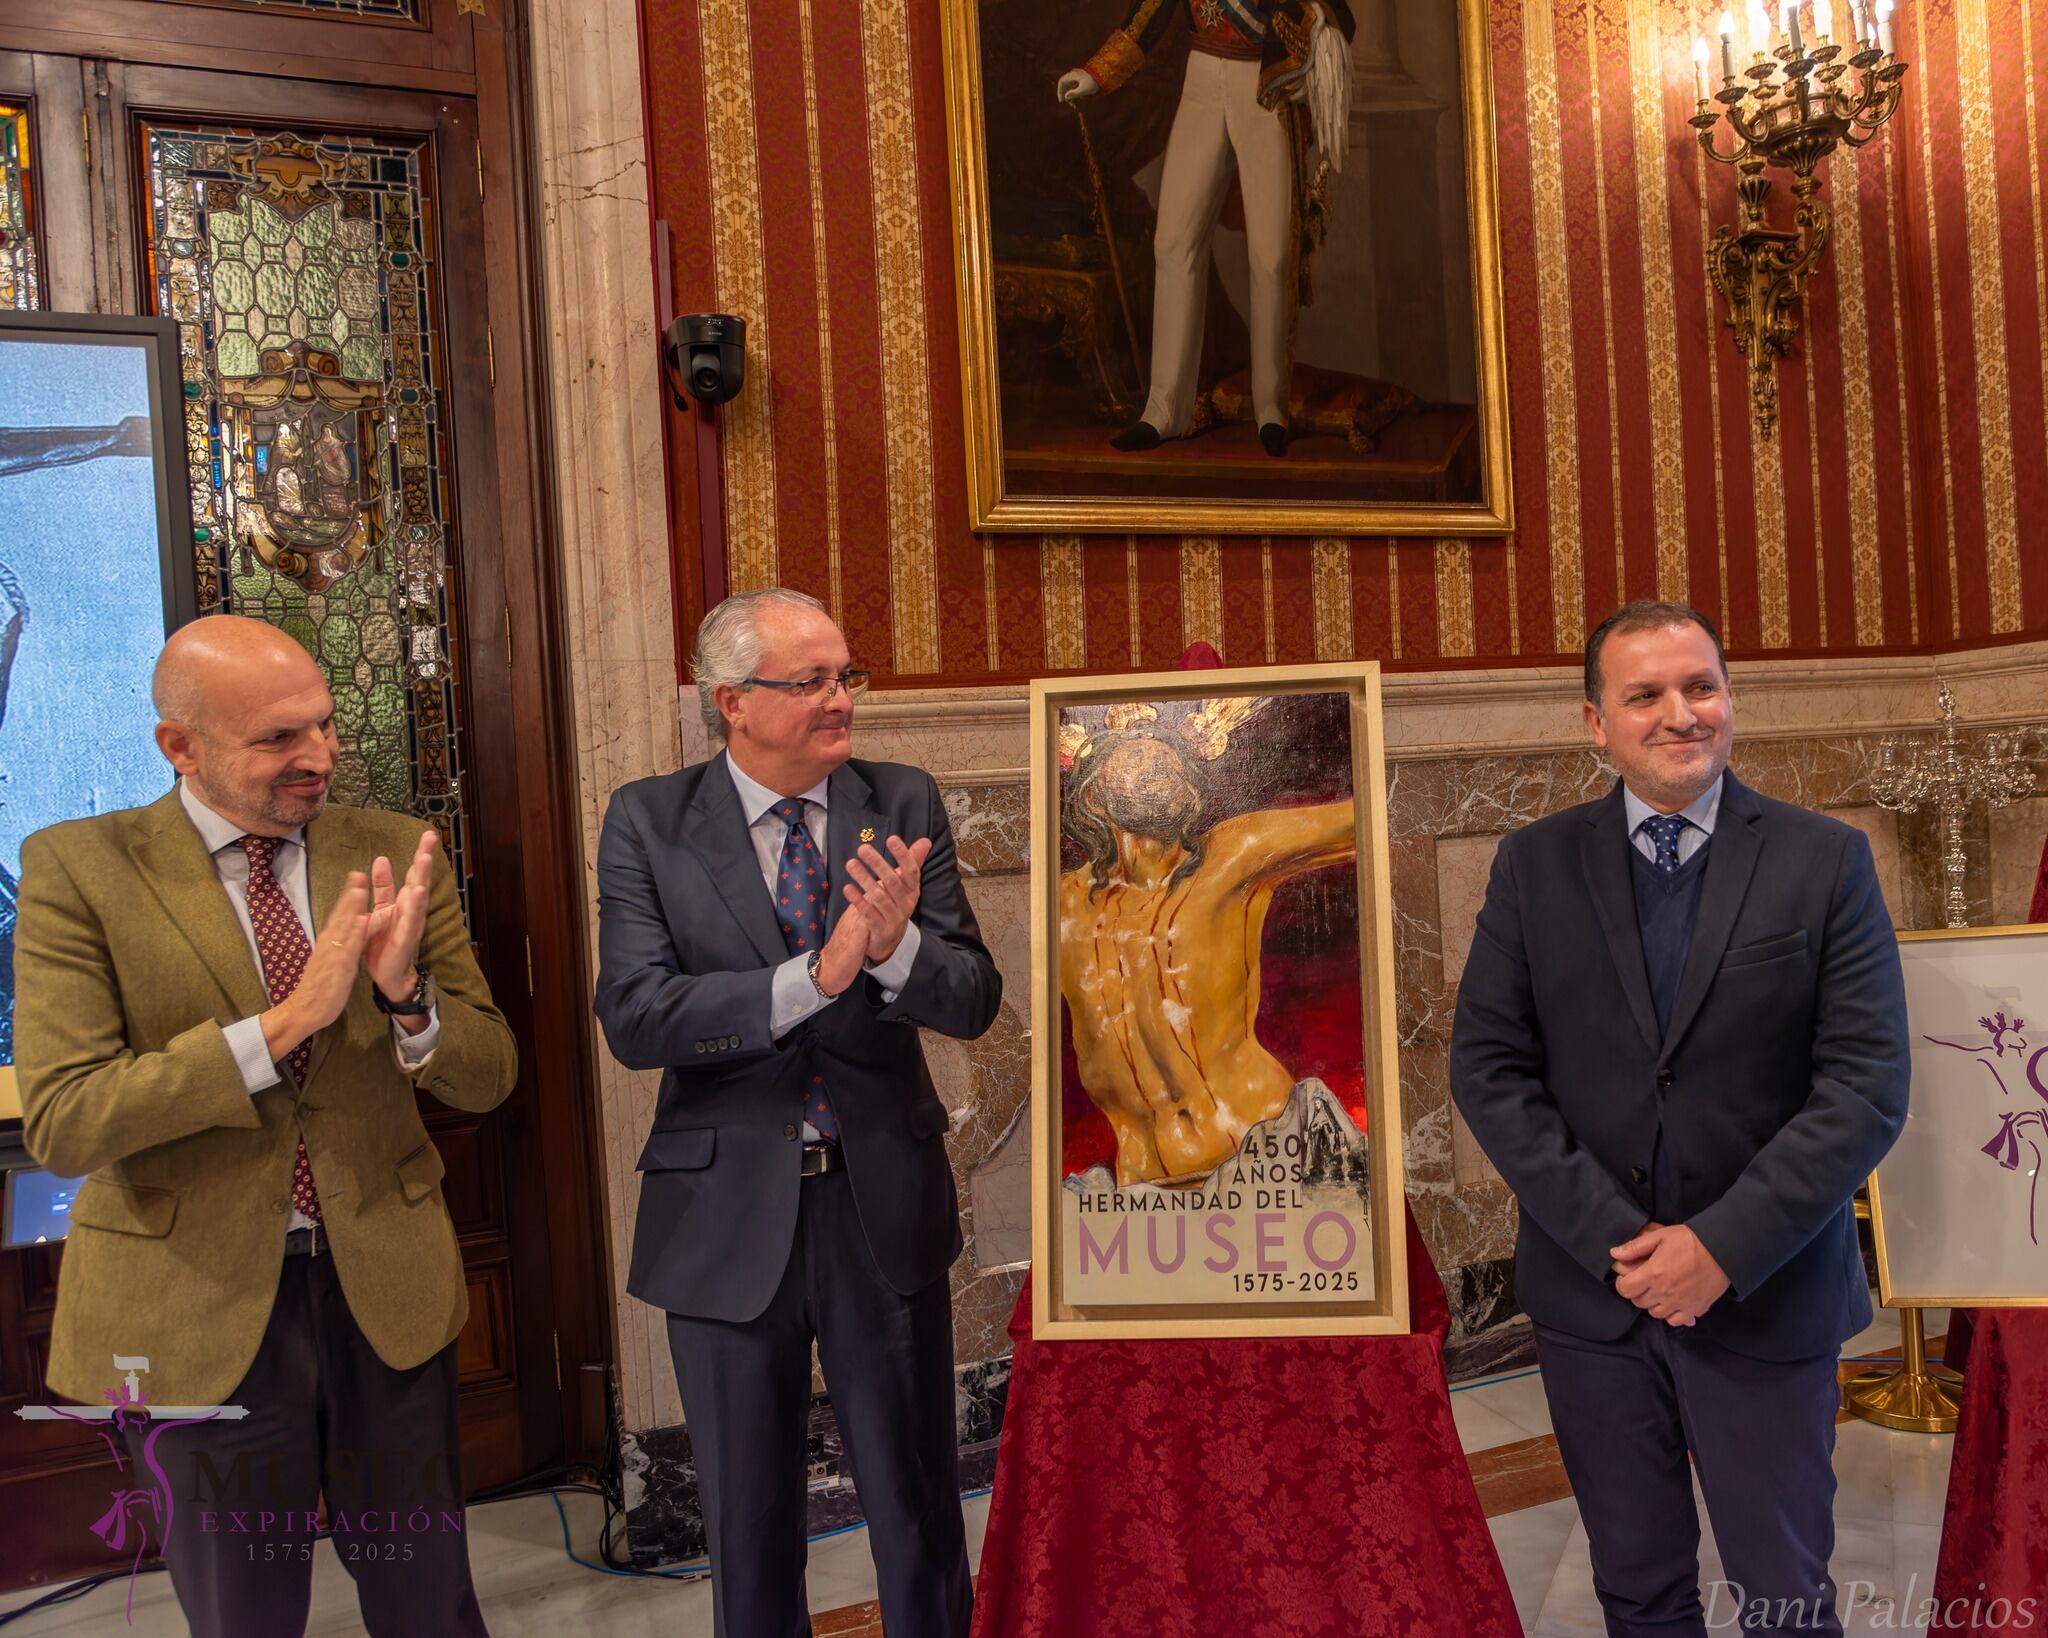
1884,26
1759,28
1857,24
1823,20
1699,67
1792,28
1727,45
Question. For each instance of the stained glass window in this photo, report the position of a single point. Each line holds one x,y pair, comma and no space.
20,285
407,9
300,271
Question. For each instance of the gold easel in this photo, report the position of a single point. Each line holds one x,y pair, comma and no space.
1915,1398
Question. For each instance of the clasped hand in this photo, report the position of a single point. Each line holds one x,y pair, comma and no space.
881,897
375,925
1667,1273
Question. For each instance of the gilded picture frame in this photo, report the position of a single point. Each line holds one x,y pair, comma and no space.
1216,1115
1394,374
1956,1209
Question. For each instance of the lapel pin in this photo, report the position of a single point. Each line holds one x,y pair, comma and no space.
868,835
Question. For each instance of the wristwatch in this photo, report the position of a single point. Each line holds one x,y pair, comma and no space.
811,967
417,1005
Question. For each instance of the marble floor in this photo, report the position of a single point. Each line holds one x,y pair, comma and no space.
1888,1531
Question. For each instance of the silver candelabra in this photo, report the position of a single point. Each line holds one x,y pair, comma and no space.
1940,776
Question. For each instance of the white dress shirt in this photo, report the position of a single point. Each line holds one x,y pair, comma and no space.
245,1036
1702,812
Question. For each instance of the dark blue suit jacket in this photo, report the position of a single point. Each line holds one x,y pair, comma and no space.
688,944
1779,1084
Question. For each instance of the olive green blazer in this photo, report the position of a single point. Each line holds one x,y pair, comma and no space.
128,962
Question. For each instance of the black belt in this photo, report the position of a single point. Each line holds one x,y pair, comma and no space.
820,1158
303,1242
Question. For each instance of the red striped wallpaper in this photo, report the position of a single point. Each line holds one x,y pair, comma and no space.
799,157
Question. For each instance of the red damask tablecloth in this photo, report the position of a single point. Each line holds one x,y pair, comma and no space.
1238,1489
1994,1539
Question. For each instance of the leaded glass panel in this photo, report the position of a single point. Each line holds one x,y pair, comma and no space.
300,271
20,279
409,10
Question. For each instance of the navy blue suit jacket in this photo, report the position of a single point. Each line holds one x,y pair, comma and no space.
1779,1084
688,944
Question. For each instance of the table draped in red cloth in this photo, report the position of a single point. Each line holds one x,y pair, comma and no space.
1238,1488
1994,1539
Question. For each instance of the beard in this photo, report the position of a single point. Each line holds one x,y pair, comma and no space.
273,804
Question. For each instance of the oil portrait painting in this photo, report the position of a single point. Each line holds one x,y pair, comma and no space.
1228,265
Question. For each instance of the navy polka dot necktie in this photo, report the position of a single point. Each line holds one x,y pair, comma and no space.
802,891
1664,829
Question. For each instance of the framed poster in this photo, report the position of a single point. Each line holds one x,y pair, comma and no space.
1228,266
1216,1139
1957,1208
96,568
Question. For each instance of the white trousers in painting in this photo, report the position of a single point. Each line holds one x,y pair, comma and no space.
1219,126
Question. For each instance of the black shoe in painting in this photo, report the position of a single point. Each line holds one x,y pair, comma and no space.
1138,435
1274,436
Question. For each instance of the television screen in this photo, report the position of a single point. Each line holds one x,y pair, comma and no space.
95,569
37,1207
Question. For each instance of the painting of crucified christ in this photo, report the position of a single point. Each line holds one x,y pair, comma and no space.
1213,1080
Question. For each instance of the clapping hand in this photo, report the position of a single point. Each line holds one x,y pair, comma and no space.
397,916
887,892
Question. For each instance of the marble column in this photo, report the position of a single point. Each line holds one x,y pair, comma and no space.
605,406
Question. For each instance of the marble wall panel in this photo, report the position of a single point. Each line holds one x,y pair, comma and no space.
1881,826
1463,864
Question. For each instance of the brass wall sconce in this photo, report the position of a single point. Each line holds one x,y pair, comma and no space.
1795,102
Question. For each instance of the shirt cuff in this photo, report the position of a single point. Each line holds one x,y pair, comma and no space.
414,1050
252,1054
894,973
792,997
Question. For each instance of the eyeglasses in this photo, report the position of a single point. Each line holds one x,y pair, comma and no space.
855,684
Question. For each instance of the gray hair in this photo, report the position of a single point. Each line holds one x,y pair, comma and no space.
729,646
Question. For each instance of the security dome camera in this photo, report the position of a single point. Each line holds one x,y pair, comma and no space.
705,354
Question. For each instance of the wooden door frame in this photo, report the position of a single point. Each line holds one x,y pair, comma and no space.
485,58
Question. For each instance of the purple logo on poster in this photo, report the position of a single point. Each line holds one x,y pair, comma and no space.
2008,1050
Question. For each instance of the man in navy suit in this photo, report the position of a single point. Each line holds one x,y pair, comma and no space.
1681,1037
775,925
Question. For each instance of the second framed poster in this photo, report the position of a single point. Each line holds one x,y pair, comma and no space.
1216,1106
1957,1208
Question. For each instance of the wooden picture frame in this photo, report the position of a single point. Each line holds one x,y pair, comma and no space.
1394,372
1956,1208
1210,883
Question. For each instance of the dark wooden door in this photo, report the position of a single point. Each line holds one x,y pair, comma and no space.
324,246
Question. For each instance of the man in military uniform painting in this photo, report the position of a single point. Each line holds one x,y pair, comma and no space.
1262,76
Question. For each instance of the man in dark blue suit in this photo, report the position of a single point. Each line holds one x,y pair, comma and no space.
1681,1037
770,940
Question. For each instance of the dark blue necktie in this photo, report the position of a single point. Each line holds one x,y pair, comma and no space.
1664,829
802,890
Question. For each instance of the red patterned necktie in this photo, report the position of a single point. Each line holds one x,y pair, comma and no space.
282,945
802,890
